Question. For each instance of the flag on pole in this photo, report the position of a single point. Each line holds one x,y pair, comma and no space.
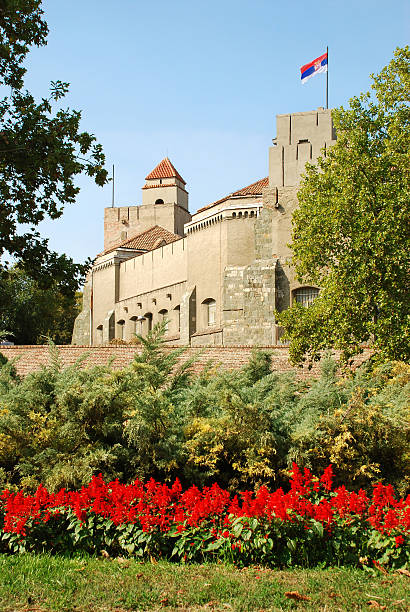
315,67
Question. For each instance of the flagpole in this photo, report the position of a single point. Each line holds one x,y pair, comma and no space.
113,184
327,79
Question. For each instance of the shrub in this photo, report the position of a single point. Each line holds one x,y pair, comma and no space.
359,423
59,426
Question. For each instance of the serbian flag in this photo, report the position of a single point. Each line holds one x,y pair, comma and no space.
315,67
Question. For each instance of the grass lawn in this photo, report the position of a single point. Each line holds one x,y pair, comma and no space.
40,582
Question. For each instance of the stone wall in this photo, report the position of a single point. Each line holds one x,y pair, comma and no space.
82,324
249,303
263,232
32,358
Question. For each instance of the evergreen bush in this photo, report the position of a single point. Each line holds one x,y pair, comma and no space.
154,418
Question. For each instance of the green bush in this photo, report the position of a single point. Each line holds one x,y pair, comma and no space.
59,426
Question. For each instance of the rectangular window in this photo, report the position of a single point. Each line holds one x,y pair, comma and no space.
305,295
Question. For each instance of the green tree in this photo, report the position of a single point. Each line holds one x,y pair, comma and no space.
157,415
42,150
33,314
350,234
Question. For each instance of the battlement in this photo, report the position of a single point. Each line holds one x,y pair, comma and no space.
300,138
118,221
123,222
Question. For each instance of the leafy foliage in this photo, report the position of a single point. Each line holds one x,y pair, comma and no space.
240,435
42,150
360,424
33,314
59,426
21,25
350,233
156,416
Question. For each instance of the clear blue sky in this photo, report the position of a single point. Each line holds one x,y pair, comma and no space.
200,82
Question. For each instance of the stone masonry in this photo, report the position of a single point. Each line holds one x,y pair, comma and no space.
249,303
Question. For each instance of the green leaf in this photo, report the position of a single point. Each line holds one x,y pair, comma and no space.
215,545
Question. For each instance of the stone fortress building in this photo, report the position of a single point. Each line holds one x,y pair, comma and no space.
215,276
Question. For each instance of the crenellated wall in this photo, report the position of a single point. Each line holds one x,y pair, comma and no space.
300,138
123,222
145,285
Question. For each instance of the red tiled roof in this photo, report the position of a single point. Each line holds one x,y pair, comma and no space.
145,241
165,169
253,189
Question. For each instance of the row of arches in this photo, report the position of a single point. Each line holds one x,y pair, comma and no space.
209,222
245,214
206,317
142,324
204,224
126,328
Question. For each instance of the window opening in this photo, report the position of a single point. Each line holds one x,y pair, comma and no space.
148,319
305,295
164,317
210,312
99,334
134,321
177,310
120,329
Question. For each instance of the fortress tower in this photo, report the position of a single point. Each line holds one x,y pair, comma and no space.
252,293
300,138
164,203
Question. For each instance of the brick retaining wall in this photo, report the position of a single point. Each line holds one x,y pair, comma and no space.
31,358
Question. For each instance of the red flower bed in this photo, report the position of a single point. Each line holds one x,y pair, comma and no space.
310,523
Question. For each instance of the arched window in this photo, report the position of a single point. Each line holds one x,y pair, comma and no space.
177,315
305,295
120,329
163,316
159,201
147,322
209,307
99,334
134,325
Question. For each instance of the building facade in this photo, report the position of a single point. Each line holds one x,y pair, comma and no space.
216,276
